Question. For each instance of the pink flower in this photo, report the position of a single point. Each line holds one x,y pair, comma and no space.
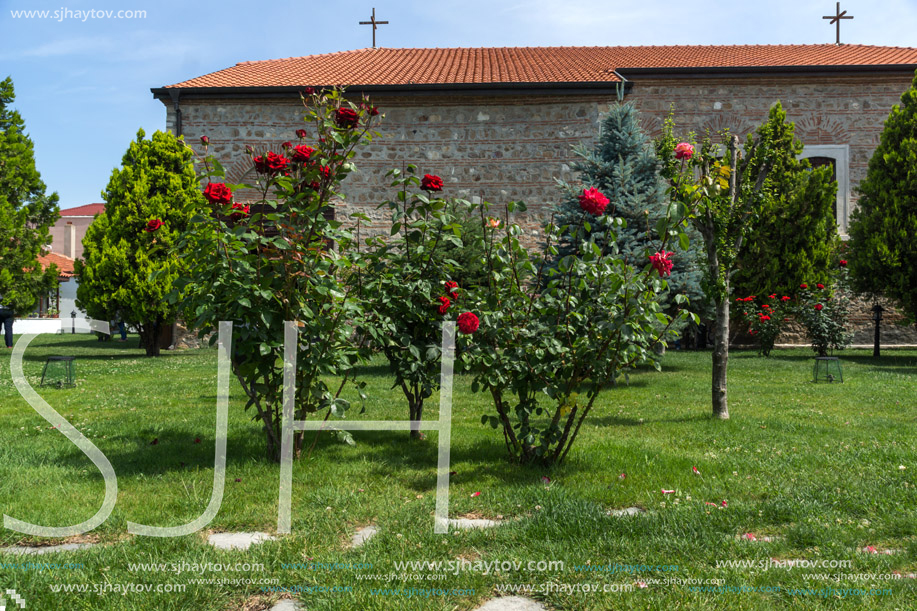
493,223
871,549
684,150
750,536
664,491
662,263
641,584
474,494
593,201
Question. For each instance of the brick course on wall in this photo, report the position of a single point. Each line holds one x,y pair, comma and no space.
514,147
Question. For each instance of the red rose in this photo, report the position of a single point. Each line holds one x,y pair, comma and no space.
153,225
205,140
819,307
765,317
450,289
820,285
431,182
243,211
747,299
302,153
803,286
249,149
346,117
766,307
325,171
300,133
444,304
271,164
593,201
286,145
774,296
843,263
661,262
308,90
784,299
468,323
218,193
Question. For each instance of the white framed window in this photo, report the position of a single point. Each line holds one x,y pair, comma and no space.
838,157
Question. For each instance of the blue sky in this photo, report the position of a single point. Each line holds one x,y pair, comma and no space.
83,86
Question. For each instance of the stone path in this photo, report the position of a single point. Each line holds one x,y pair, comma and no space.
363,535
241,541
512,603
38,551
287,605
628,511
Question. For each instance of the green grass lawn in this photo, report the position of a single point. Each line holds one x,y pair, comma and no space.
825,470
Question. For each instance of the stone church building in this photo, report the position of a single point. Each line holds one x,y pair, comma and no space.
501,122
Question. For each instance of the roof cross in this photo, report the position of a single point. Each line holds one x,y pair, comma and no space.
372,21
835,19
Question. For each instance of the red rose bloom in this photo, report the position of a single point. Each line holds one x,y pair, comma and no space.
820,285
346,118
593,201
843,263
431,182
205,140
747,299
217,193
302,153
450,289
444,304
243,211
468,323
766,307
819,307
153,225
300,133
661,262
774,296
286,145
803,286
271,164
308,90
324,171
784,299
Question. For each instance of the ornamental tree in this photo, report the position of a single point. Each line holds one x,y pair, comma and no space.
721,194
280,258
555,332
127,268
883,228
623,165
26,213
410,288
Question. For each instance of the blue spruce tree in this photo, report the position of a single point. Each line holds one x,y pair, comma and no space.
623,165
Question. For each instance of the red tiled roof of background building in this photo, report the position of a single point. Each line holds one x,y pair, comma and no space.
64,264
534,64
87,210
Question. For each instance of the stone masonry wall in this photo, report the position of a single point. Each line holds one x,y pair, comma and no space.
507,148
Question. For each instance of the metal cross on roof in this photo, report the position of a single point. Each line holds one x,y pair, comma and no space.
835,19
372,21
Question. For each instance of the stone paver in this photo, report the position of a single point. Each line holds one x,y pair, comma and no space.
468,523
363,535
628,511
512,603
241,541
37,551
287,605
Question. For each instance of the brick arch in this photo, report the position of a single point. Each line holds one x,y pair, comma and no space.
737,126
819,129
651,125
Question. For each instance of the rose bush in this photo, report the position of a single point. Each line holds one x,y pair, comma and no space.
283,257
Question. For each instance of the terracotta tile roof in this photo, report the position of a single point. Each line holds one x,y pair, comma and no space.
532,64
64,264
87,210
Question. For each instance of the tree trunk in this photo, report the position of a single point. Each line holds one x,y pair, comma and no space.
721,358
149,338
416,408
